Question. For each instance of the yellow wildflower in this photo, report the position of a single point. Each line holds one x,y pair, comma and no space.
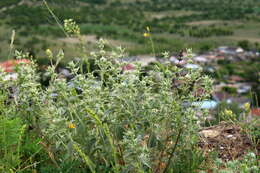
228,112
146,34
247,107
71,126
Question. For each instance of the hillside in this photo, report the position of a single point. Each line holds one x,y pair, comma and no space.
175,24
72,102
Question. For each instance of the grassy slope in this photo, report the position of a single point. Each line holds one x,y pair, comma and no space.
112,26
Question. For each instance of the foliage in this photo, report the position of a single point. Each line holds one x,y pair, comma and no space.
10,141
225,112
109,120
247,69
249,164
210,31
126,20
244,44
8,3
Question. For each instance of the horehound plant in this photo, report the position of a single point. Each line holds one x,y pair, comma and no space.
111,120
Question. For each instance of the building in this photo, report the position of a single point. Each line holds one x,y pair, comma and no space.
9,66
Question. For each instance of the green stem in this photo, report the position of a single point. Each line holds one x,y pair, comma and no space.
152,44
107,132
55,18
173,150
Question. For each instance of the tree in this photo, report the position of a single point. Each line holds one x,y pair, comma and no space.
244,44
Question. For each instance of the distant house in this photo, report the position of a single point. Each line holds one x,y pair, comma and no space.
173,59
192,66
209,69
219,87
238,100
128,67
214,57
129,59
220,96
206,104
9,66
255,112
225,97
230,50
177,61
219,57
236,79
239,87
245,88
201,59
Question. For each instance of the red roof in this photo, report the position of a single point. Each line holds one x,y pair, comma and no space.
236,78
9,65
255,111
128,67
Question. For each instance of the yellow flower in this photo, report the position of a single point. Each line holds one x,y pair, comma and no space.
71,126
228,112
146,34
148,28
247,107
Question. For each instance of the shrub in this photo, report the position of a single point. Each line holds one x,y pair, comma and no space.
248,164
109,120
245,44
230,90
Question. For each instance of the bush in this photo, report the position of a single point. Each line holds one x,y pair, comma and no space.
109,120
220,113
230,90
245,44
248,164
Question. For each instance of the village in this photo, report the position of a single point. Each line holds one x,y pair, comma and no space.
229,89
233,89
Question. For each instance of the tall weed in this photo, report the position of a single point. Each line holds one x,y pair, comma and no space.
110,120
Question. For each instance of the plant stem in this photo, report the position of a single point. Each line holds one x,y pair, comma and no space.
173,150
161,154
55,18
152,44
11,44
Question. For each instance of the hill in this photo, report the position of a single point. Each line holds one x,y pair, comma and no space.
175,24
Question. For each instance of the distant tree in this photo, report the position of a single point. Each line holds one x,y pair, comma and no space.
230,90
244,44
257,46
95,1
205,47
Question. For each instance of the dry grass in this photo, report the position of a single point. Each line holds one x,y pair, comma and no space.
228,139
176,13
205,22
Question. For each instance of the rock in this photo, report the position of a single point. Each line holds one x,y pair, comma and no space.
209,133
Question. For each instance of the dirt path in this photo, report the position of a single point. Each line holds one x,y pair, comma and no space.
86,38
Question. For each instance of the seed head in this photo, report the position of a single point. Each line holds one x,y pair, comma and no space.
49,53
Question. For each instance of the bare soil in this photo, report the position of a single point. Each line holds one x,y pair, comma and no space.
229,140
